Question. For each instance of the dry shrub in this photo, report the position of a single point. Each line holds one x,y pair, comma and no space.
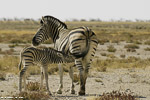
33,86
116,95
34,92
33,96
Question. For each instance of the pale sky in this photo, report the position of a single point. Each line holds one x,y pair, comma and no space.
78,9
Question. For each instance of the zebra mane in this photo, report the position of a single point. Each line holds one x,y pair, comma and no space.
51,18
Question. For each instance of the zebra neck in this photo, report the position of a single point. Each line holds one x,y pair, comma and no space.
63,32
55,33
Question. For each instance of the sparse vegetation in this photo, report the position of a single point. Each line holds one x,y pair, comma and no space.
111,48
134,33
115,95
147,42
132,46
33,95
147,49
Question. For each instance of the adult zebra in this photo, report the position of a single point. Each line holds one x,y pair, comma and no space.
42,57
80,42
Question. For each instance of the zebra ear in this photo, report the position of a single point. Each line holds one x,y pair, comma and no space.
43,20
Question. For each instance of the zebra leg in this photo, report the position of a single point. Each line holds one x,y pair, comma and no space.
45,69
72,78
59,91
78,63
42,78
24,79
22,74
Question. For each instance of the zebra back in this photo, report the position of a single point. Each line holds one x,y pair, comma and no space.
44,55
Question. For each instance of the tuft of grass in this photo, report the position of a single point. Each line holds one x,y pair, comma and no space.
131,50
147,42
131,46
103,54
111,56
122,56
33,86
147,49
115,95
111,48
34,92
37,95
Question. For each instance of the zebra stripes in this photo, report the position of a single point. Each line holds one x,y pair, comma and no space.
43,57
80,42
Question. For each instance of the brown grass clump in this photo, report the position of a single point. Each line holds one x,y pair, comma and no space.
111,48
147,42
131,46
33,93
33,86
115,95
147,49
33,96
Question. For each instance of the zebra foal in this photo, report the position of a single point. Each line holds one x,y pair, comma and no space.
42,57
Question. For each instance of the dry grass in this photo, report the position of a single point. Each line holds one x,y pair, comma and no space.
111,48
130,62
23,31
36,95
115,95
131,46
9,64
147,49
34,92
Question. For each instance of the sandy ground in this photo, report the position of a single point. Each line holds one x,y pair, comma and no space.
132,80
136,81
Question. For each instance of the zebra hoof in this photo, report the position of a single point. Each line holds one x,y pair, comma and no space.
81,93
72,91
59,92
